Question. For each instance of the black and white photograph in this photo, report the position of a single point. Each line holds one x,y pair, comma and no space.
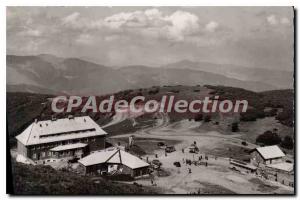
150,100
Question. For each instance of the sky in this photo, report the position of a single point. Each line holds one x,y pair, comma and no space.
260,37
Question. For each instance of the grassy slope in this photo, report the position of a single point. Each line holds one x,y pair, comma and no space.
23,108
37,180
276,99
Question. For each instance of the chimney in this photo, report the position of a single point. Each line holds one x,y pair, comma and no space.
35,120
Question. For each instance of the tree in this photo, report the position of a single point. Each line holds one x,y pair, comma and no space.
287,142
252,114
271,113
198,117
268,138
234,127
207,118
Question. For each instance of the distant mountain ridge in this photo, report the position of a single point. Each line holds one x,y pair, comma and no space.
280,79
47,73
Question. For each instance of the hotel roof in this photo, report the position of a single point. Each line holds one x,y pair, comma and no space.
114,156
58,130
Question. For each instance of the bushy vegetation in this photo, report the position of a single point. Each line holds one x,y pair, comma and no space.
268,138
37,180
271,113
287,142
207,118
154,91
174,91
276,99
252,114
22,109
234,127
198,117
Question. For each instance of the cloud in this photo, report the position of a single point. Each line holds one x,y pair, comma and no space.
70,19
153,23
272,20
150,22
85,39
32,46
30,33
174,26
275,20
147,18
154,36
110,38
284,20
211,26
183,23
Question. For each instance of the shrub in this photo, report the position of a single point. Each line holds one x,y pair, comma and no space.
44,180
252,115
287,142
268,138
271,113
154,91
244,143
198,117
207,118
234,127
174,91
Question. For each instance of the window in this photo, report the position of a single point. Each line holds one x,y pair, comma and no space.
43,154
34,156
49,153
94,139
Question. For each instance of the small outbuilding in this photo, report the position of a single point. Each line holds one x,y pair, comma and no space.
113,161
281,172
267,155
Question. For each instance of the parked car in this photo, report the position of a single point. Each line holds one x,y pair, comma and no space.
170,149
156,164
161,145
177,164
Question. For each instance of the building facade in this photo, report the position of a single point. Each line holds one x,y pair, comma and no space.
47,141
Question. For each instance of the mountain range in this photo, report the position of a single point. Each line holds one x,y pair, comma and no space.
55,75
